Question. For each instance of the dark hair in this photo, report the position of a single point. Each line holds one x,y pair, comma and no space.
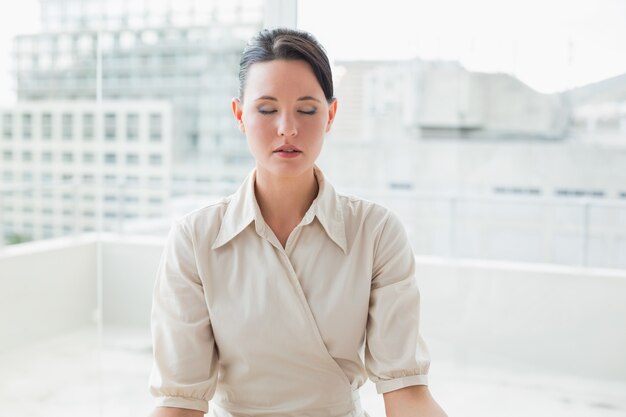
289,44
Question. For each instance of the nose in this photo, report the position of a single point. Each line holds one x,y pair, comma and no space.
287,126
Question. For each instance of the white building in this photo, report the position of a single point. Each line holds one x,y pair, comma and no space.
63,164
440,99
186,52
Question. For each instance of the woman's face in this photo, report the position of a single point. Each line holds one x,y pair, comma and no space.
284,115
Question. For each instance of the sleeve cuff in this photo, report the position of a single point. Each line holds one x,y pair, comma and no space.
182,402
397,383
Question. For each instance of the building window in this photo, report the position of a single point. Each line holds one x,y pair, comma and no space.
68,157
67,177
132,127
88,178
27,176
27,156
68,128
48,231
88,157
46,177
7,176
46,156
46,126
109,126
156,131
110,179
132,159
88,127
132,179
7,126
156,159
110,198
7,156
110,158
27,126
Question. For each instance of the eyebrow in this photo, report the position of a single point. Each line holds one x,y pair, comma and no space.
303,98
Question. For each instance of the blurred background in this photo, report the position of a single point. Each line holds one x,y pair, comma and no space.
496,130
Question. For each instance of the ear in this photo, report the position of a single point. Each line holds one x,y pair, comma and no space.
332,112
237,108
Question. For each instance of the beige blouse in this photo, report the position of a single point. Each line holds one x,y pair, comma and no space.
295,331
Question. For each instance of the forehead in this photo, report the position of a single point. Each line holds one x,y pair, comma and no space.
282,77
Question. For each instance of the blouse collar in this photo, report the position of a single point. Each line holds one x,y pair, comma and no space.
243,209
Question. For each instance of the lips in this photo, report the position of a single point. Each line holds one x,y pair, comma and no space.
287,149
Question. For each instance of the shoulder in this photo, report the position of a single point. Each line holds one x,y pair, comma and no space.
204,221
359,209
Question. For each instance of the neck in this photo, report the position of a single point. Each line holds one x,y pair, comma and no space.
285,198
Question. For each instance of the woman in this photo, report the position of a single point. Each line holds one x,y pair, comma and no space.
281,299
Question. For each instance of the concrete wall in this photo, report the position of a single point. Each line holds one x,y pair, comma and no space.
46,288
528,317
129,270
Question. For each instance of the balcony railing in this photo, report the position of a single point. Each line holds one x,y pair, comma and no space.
504,337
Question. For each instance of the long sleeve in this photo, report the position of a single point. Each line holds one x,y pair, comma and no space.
185,367
395,353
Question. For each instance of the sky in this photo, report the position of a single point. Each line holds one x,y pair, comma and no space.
551,45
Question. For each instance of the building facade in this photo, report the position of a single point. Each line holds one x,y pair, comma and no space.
65,165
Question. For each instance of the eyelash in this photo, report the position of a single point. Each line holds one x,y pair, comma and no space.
310,113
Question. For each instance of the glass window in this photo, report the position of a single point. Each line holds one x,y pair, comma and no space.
7,156
7,126
88,127
88,157
132,159
68,157
110,158
27,126
156,159
156,131
132,126
67,125
27,156
46,156
46,126
109,126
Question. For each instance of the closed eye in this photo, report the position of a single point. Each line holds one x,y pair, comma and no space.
266,111
309,112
